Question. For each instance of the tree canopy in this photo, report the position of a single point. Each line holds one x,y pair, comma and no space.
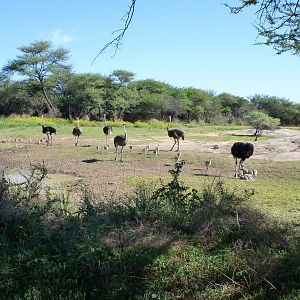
260,121
121,97
277,23
37,61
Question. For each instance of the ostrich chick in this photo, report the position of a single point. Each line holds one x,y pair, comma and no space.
207,163
156,150
177,157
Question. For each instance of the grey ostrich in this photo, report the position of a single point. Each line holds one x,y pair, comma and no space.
207,163
107,130
120,140
48,130
77,131
176,134
241,151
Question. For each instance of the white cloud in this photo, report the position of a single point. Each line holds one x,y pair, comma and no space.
58,37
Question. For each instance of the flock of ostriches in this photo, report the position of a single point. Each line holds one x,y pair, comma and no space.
240,150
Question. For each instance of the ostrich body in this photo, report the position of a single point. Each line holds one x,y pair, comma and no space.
107,130
120,140
48,130
241,151
77,131
176,134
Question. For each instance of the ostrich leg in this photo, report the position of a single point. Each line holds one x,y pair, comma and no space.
121,154
116,153
173,145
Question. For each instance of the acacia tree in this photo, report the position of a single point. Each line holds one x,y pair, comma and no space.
121,77
260,121
38,61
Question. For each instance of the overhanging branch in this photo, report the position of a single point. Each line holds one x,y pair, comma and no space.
116,42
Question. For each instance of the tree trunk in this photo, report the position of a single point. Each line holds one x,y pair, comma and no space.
51,108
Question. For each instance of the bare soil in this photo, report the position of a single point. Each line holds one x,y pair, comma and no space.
109,179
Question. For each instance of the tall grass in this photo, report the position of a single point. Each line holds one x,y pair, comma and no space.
166,242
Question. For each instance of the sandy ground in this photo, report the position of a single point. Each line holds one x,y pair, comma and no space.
109,179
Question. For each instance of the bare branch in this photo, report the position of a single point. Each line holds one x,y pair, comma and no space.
116,42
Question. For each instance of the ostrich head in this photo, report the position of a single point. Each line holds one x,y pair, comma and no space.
126,137
170,119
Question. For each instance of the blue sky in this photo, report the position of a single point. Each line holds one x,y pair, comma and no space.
191,43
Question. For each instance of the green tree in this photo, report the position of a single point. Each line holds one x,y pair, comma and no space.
233,107
15,98
151,86
286,111
80,94
37,61
121,77
198,98
148,106
119,97
260,121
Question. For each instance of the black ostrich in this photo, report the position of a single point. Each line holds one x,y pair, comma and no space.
48,130
241,151
176,134
107,130
120,140
77,131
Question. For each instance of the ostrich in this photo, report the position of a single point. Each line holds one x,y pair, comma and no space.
176,134
146,149
107,130
49,130
120,140
252,173
241,150
248,175
77,131
207,163
177,157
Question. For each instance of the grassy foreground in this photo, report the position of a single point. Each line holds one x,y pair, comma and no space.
164,242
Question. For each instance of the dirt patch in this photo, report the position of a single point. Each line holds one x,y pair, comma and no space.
110,179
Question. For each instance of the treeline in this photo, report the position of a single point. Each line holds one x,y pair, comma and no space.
43,87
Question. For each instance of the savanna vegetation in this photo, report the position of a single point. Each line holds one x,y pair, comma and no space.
46,83
173,235
171,238
165,241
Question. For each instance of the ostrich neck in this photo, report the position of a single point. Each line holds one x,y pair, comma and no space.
125,134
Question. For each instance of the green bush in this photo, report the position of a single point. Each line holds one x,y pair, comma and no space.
166,242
